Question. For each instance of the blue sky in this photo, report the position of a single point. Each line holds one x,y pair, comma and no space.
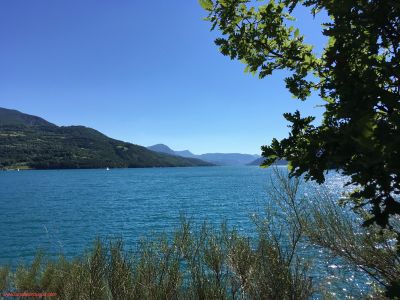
145,72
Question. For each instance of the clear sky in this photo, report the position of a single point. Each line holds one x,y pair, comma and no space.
145,72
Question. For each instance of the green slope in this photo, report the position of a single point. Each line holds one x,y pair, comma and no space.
31,142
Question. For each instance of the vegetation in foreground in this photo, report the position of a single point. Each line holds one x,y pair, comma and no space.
220,263
208,264
356,75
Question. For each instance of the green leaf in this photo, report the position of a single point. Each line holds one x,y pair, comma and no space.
290,166
223,3
206,4
296,33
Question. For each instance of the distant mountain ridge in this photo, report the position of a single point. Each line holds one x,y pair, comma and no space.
230,159
162,149
260,160
31,142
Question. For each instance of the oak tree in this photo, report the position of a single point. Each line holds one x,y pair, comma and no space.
357,76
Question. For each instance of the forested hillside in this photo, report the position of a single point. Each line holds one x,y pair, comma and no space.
33,143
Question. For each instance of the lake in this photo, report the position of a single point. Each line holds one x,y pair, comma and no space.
63,211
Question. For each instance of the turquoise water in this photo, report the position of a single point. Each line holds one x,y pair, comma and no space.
63,211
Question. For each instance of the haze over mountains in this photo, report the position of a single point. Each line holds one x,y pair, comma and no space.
30,142
223,159
260,160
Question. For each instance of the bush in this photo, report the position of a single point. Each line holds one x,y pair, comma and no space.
202,263
319,222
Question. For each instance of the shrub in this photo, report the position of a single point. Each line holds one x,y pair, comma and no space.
198,263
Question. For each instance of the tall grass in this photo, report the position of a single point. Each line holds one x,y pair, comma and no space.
202,263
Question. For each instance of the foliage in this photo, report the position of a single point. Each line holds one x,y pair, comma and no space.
358,76
4,272
202,264
371,249
316,220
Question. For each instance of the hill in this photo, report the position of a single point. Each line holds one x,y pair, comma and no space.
161,148
224,159
31,142
14,117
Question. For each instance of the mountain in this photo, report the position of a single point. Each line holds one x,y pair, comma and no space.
165,149
185,153
224,159
227,159
260,160
31,142
14,117
162,149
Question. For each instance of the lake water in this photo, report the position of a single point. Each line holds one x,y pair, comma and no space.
63,211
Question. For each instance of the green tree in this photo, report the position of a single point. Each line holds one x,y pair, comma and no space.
357,75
